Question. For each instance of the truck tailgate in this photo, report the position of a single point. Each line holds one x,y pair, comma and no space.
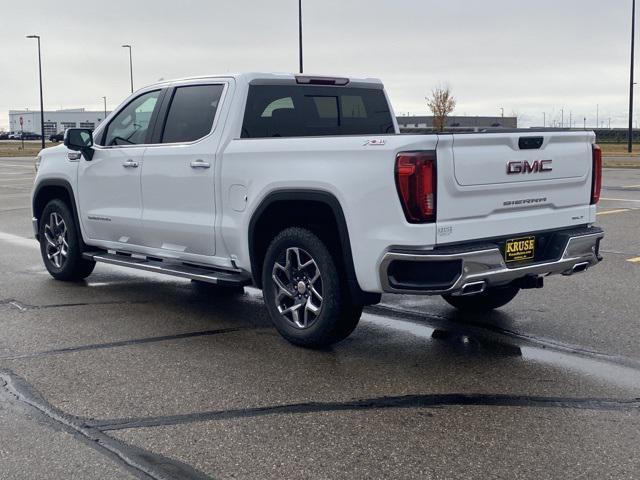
496,184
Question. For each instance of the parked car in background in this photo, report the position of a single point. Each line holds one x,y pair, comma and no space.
56,137
14,136
30,136
4,135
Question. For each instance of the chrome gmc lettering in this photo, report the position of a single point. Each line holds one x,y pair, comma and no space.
538,166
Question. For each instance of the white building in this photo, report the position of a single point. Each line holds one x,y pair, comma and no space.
54,120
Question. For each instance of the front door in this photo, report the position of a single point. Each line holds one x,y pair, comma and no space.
109,184
178,192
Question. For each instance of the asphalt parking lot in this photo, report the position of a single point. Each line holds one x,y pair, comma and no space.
135,375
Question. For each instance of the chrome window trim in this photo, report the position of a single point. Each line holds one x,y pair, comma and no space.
223,96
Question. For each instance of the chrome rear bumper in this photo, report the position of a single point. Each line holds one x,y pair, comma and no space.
485,267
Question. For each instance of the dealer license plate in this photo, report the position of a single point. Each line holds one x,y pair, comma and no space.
519,249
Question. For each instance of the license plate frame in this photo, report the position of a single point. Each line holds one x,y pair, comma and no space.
520,249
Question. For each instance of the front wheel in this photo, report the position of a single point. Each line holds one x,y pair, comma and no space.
304,292
490,299
60,244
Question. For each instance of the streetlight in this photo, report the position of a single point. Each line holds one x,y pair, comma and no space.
633,39
130,64
41,100
300,33
105,107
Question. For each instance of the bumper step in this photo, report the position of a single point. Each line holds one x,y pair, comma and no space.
193,272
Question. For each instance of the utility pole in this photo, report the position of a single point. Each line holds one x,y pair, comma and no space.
105,107
633,40
130,64
300,33
544,119
562,118
41,99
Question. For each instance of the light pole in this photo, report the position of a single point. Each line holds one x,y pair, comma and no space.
633,40
105,107
502,110
41,100
562,118
544,119
300,33
130,64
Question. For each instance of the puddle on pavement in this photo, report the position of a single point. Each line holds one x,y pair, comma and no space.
603,370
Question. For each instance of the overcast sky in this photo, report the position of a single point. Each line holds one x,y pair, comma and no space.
527,56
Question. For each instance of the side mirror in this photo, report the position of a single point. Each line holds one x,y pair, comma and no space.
80,140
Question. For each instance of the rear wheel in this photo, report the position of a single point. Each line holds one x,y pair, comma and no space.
304,293
486,301
60,245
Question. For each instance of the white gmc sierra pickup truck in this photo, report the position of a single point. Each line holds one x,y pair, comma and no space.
304,187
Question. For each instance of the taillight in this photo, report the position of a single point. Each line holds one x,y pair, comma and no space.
596,175
416,183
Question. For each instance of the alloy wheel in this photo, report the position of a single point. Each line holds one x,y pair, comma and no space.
298,287
55,234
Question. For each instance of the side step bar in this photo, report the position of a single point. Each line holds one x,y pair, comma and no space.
194,272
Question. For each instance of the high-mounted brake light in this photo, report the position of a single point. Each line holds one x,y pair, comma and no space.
306,80
596,178
416,182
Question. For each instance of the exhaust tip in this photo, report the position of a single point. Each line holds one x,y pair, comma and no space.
577,268
473,288
580,267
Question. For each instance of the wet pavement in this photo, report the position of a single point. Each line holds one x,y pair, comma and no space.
136,375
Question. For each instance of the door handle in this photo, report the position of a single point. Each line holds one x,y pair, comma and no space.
200,164
130,164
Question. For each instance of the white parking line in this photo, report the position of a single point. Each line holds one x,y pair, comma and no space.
620,200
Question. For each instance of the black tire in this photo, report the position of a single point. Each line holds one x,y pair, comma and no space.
334,318
484,302
73,266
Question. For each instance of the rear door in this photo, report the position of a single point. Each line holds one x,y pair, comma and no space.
178,187
496,184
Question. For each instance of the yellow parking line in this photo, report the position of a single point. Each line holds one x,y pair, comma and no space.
606,212
634,260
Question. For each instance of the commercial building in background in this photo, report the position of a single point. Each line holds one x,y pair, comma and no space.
459,122
54,120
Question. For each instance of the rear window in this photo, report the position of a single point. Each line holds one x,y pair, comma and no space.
301,110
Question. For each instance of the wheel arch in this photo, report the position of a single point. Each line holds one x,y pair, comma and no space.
51,189
296,198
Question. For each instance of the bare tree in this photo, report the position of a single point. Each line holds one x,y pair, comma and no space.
441,103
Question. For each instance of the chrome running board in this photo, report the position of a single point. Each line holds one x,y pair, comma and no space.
176,269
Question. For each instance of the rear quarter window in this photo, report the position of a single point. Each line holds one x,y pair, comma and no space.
301,110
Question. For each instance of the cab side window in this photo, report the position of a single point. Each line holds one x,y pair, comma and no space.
191,114
131,125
